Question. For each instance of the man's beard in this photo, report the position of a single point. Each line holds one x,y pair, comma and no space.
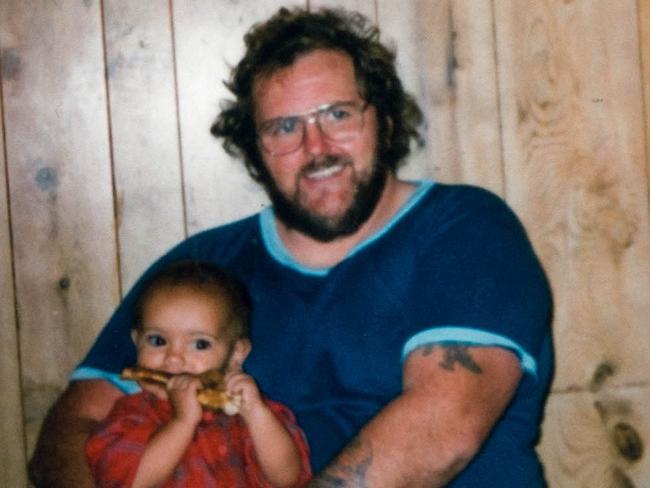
296,216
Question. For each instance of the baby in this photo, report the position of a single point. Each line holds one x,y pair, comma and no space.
191,318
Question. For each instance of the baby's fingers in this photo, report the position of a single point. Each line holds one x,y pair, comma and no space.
183,382
159,391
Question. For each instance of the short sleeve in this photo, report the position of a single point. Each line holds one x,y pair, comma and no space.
490,287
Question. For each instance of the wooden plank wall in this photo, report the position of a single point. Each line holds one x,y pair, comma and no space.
107,161
11,424
575,166
60,190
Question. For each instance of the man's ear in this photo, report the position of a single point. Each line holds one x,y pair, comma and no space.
240,352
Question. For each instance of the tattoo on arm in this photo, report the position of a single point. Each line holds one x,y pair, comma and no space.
347,475
454,353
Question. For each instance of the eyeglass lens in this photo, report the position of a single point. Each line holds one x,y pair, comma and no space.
338,122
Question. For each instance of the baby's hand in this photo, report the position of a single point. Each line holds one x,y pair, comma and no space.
239,383
154,388
182,390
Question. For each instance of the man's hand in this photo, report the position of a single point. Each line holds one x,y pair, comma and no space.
59,460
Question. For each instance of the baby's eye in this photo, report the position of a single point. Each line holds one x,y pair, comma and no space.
156,340
202,344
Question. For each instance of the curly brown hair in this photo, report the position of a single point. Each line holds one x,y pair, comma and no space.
290,33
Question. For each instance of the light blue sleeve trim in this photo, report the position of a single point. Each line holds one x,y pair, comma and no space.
472,337
126,386
277,250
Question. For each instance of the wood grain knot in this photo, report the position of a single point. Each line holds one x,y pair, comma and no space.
11,64
628,442
620,479
603,371
64,283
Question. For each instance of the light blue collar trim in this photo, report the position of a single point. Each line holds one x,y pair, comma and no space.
470,337
279,252
84,373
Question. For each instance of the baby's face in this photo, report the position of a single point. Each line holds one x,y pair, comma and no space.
182,332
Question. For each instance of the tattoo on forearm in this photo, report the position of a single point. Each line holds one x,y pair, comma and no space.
347,475
454,353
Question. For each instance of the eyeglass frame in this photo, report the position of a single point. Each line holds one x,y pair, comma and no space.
312,117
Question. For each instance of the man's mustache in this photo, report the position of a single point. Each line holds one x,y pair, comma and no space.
324,162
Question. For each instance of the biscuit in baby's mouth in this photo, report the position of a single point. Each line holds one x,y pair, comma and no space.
212,396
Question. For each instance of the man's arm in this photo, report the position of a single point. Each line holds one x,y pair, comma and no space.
452,397
59,460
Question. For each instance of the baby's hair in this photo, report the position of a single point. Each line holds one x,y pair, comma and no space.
206,278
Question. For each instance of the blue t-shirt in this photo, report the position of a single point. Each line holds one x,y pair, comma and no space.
454,265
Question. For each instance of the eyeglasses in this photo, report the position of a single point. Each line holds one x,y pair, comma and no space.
339,122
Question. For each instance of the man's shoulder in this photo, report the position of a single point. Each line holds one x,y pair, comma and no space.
463,194
446,203
221,239
455,214
236,227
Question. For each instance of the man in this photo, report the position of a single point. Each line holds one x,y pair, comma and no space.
406,324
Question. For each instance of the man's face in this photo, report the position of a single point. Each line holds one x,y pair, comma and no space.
324,188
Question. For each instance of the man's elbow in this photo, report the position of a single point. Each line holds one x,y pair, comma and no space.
459,455
438,467
34,471
41,464
455,453
466,449
59,458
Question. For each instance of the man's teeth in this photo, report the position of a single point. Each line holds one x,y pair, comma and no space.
325,172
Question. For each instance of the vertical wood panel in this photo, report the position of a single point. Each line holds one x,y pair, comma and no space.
61,197
473,82
208,40
144,130
575,171
573,128
414,47
422,57
12,456
366,7
644,19
447,58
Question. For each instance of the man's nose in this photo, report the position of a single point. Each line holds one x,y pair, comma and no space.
314,142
